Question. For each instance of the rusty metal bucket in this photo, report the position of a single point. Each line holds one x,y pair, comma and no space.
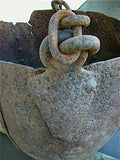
60,111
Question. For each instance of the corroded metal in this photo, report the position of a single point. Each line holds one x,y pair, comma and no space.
85,42
91,105
110,43
74,21
77,43
53,38
57,5
62,112
18,44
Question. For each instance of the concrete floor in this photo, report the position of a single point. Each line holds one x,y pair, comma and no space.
9,152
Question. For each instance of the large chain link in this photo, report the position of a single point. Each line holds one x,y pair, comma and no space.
53,38
69,51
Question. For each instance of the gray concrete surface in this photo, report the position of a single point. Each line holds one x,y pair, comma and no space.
9,152
107,7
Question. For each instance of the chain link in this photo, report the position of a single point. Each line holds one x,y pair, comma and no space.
71,50
57,5
53,38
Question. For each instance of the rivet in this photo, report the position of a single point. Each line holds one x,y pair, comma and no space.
19,49
22,60
17,38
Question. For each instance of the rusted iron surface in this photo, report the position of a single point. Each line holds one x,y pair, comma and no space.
53,38
86,45
61,112
74,21
91,99
57,5
86,103
18,44
71,48
78,43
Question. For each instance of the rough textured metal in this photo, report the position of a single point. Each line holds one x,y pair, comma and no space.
74,105
53,38
90,97
66,5
80,43
18,44
57,5
73,21
74,45
49,62
88,101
